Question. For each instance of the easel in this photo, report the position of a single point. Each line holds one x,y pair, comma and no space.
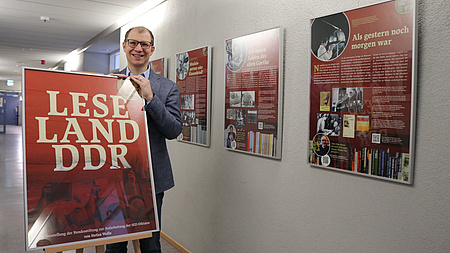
100,244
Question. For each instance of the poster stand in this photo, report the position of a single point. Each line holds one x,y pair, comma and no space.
99,245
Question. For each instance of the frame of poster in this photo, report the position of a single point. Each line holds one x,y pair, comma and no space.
362,91
87,172
254,93
193,73
159,66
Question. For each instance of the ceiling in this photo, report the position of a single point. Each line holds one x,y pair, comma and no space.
26,39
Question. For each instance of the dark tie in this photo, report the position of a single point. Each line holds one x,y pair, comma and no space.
136,86
142,74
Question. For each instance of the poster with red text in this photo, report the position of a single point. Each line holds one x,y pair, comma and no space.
194,84
362,91
253,93
87,172
159,66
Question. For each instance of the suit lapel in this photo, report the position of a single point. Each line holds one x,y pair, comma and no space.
155,82
122,71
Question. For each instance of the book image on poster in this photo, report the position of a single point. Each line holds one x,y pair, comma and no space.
325,101
253,93
362,90
193,72
87,172
348,130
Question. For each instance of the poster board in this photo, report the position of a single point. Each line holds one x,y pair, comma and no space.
159,66
87,172
362,91
193,74
253,93
2,114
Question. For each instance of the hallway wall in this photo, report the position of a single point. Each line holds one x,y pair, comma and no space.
231,202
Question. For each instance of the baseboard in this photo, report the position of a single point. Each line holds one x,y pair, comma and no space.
174,243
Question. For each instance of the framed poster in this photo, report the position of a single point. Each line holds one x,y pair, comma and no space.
253,93
194,84
362,91
87,172
2,114
159,66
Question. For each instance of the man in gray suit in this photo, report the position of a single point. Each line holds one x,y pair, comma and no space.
163,119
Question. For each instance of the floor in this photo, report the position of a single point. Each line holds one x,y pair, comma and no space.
12,235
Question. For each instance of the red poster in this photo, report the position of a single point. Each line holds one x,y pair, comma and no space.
253,93
159,66
86,157
194,84
362,90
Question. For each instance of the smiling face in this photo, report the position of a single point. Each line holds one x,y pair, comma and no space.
138,57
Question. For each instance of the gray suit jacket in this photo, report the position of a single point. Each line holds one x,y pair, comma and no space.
164,122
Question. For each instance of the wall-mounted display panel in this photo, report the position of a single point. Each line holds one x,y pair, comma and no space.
253,93
159,66
193,73
362,91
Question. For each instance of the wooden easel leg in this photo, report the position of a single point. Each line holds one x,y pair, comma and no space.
137,248
100,249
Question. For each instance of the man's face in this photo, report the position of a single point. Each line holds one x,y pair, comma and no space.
138,56
351,93
324,141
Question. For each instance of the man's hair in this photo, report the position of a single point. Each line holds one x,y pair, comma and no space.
140,29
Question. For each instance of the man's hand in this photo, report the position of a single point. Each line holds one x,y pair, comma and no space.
143,83
146,88
120,76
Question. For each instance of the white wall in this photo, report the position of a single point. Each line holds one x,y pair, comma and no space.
231,202
16,88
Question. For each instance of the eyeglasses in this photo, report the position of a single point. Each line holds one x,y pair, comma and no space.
134,43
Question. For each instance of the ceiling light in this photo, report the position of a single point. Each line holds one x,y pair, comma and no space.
141,9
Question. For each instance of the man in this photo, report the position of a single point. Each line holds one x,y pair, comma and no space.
231,137
323,53
324,146
163,119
